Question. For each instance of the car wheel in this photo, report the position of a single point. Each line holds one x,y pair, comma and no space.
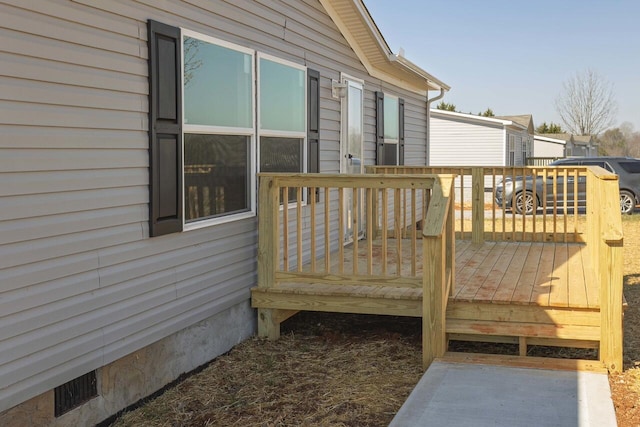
525,203
627,202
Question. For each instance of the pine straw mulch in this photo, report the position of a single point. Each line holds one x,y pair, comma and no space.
352,370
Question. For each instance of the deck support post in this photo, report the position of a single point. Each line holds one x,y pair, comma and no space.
268,326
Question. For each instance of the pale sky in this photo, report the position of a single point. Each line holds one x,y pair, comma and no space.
512,55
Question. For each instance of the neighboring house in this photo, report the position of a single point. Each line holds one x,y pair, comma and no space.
469,140
574,145
548,146
584,146
132,133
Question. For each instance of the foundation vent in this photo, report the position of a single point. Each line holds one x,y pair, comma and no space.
74,393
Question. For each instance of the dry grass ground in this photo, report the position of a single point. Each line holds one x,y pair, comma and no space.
348,370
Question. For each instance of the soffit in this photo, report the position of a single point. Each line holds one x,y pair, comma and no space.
356,25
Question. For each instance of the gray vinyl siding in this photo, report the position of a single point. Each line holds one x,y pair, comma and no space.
81,282
460,142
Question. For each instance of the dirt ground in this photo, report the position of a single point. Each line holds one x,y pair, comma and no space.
351,370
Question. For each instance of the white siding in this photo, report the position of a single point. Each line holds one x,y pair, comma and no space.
547,149
81,282
460,142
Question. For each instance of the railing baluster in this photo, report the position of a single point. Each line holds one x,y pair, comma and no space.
341,230
355,195
327,230
370,216
545,198
534,180
312,196
398,231
555,203
385,207
414,237
299,226
285,228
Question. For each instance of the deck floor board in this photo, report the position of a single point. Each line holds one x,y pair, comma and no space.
518,273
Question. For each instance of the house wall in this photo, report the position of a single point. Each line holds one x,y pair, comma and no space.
521,138
82,286
547,149
456,141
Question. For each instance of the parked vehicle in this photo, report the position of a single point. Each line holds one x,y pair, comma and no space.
526,199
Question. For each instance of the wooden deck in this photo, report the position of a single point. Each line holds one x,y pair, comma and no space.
533,283
522,292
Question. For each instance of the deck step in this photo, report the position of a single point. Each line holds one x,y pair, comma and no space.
525,361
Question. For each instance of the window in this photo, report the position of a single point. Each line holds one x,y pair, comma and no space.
205,144
512,150
282,116
630,166
389,129
218,127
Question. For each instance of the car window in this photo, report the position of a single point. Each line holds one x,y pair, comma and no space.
602,164
630,166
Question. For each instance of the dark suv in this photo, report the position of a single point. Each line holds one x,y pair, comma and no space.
627,169
519,191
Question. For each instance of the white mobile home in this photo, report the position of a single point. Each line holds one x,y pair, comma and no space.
132,133
469,140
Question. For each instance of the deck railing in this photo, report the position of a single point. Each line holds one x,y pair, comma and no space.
307,240
557,195
583,205
325,241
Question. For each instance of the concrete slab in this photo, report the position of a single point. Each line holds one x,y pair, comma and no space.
474,395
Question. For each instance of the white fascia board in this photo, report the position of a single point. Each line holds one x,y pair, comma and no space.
552,140
439,85
476,118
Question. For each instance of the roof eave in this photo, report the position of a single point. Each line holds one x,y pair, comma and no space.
357,26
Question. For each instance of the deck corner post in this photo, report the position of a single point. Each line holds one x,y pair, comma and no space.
267,232
611,323
433,299
607,242
477,207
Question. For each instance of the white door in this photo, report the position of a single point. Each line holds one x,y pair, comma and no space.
351,152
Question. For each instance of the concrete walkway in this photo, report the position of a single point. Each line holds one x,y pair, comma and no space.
475,395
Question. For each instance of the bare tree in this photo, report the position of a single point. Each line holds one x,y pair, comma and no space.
586,105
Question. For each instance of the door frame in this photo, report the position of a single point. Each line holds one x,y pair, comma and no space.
344,143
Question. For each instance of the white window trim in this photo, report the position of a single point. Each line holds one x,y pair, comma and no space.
222,130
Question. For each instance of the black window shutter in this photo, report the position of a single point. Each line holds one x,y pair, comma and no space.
313,121
401,131
165,119
380,154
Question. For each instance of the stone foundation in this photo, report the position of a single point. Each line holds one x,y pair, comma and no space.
140,374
